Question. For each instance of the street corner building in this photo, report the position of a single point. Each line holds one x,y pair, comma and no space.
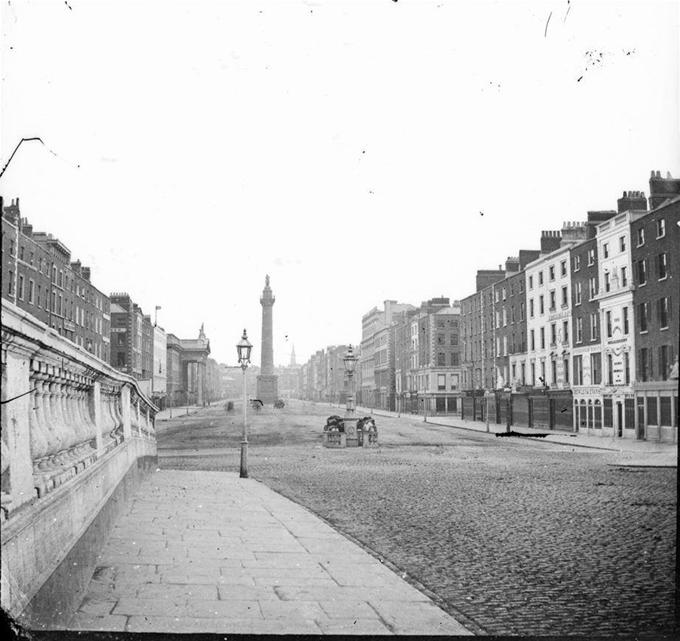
267,381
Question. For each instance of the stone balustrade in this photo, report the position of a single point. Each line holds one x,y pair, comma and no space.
75,412
77,436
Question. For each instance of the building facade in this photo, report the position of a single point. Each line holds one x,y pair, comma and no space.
510,323
159,387
615,300
127,335
39,277
194,354
147,348
377,392
477,332
187,379
173,370
655,239
587,348
548,287
434,377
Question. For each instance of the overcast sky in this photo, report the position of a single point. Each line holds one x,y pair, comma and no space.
345,148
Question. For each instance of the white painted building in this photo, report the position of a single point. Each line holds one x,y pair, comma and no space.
548,287
617,324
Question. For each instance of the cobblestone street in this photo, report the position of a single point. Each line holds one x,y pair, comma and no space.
511,537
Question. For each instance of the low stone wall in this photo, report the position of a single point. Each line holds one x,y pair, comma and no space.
49,550
72,429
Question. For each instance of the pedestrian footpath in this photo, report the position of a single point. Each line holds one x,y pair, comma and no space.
630,452
210,552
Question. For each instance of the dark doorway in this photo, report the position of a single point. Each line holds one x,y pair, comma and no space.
619,418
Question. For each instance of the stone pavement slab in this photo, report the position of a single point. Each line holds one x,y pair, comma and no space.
210,552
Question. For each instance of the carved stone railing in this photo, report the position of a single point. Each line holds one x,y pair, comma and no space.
62,409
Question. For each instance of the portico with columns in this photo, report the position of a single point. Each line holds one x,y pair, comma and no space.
193,361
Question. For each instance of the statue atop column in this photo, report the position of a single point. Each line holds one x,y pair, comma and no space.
267,382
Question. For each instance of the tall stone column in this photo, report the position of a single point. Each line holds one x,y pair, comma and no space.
267,382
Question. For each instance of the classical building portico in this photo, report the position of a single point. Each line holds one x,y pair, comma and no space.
186,369
193,361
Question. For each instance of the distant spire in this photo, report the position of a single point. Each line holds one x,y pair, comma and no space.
292,357
201,333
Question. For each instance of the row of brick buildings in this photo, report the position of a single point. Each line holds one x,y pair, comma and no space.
580,333
590,318
40,277
409,359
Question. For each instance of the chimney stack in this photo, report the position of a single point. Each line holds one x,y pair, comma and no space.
512,265
550,241
661,189
573,232
632,201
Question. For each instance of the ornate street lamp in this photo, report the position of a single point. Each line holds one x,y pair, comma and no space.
350,361
243,348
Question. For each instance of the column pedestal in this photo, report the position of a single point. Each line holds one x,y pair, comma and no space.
268,389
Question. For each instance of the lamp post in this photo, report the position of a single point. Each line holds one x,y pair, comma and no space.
243,348
350,361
